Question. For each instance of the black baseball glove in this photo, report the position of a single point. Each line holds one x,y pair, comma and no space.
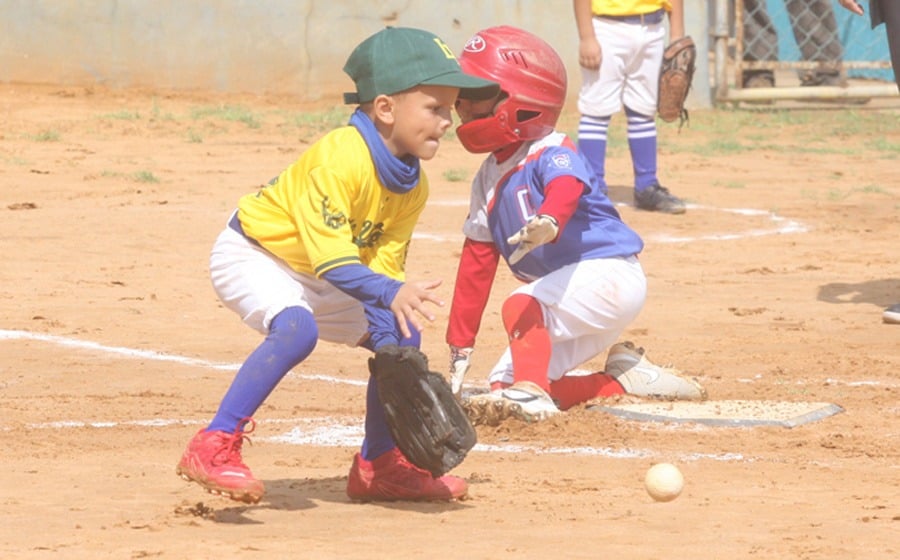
426,421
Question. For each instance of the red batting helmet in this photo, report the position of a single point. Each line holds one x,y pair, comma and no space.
531,75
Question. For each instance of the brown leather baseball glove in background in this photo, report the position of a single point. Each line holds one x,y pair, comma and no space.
675,76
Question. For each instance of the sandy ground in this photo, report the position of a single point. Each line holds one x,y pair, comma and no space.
115,349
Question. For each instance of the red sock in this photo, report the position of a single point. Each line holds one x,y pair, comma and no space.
576,389
529,341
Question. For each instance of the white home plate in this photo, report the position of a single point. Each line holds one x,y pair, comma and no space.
725,413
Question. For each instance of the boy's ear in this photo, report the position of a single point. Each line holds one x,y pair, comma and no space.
383,109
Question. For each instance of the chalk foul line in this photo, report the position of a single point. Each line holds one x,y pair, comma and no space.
150,354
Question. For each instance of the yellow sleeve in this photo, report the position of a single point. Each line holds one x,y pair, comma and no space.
329,208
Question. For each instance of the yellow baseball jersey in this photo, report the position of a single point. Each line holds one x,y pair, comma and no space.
329,208
628,7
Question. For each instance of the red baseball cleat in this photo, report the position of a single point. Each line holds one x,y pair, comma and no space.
213,460
391,477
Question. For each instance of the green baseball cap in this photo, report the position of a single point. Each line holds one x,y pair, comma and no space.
398,58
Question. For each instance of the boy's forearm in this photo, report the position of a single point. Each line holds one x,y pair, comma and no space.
583,18
676,20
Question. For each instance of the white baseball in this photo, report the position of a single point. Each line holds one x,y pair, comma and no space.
664,482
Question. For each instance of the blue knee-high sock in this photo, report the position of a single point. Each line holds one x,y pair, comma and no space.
292,336
592,133
642,143
378,439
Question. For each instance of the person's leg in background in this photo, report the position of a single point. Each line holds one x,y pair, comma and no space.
816,33
888,12
760,43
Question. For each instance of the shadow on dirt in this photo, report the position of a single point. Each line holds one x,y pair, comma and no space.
883,293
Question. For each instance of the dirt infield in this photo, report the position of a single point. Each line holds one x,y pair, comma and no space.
115,349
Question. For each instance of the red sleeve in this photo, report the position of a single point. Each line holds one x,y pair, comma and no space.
474,278
561,196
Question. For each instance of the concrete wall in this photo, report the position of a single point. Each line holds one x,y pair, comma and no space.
255,46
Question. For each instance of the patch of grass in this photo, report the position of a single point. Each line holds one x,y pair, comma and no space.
122,116
882,144
731,184
811,131
808,193
812,150
233,113
156,113
720,147
617,151
727,130
873,189
756,138
836,195
455,175
321,121
145,177
194,137
46,136
790,118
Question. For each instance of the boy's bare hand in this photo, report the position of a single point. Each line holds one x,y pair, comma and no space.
409,304
589,53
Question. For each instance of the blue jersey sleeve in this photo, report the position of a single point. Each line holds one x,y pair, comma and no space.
362,283
557,161
376,292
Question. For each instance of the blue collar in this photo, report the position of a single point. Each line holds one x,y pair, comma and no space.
399,175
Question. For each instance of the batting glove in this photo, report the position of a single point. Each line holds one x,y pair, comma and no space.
459,365
540,230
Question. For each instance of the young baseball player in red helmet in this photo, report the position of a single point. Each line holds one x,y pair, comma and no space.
320,253
533,204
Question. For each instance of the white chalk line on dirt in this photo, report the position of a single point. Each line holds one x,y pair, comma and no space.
150,354
332,432
160,356
118,350
782,225
328,433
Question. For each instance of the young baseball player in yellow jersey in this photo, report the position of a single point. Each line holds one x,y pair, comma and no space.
621,44
320,253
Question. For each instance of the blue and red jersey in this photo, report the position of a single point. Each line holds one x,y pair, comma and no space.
506,195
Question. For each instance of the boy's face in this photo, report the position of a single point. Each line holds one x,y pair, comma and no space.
421,116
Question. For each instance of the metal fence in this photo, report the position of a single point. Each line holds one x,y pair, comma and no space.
768,50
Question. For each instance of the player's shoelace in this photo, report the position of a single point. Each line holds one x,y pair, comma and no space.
229,453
